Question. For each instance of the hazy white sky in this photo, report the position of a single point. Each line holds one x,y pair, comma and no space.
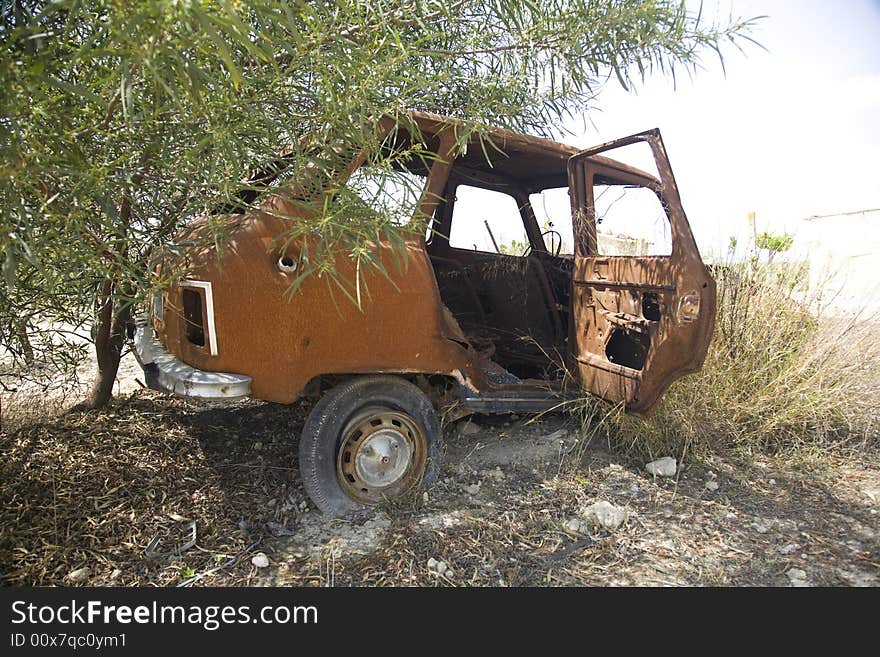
788,133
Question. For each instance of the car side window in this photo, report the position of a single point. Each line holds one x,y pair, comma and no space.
631,221
552,208
372,191
487,220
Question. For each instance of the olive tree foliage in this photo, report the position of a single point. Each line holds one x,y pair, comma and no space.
123,119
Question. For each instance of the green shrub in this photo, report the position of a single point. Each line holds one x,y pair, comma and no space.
782,371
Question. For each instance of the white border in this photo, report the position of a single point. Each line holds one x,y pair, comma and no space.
209,311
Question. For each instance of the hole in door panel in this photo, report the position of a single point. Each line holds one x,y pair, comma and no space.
628,348
651,306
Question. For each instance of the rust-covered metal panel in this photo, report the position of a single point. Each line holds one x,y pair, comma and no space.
283,342
609,295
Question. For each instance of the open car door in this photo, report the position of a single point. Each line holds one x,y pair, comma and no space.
639,321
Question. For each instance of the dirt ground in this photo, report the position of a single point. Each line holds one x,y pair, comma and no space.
84,498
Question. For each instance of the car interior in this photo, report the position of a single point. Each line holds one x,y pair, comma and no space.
505,277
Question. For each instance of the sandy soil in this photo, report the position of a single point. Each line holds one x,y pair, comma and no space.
84,496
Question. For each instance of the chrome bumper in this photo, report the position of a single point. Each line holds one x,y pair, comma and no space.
165,372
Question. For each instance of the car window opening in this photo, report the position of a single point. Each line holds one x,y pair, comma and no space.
193,317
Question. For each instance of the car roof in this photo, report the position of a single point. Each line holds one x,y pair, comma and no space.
532,162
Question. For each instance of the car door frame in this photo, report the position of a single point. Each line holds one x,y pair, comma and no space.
607,290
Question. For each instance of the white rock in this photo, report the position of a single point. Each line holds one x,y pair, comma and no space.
604,514
439,568
79,575
786,549
665,467
797,577
712,484
260,560
575,526
469,428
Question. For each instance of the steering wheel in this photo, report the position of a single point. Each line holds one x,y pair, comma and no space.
528,248
558,241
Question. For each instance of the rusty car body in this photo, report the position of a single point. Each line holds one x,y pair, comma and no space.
469,329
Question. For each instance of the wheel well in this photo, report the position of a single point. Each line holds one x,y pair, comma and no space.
441,389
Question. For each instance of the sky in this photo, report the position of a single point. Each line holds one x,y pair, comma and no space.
787,132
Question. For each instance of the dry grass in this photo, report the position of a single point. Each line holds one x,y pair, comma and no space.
92,489
781,373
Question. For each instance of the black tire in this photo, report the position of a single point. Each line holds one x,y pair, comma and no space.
341,408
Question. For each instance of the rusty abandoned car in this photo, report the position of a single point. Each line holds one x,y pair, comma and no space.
473,323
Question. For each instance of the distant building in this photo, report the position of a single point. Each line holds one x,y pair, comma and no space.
622,245
843,251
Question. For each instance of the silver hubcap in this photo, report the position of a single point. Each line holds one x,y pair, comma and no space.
382,454
383,458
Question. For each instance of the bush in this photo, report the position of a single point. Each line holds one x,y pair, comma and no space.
782,371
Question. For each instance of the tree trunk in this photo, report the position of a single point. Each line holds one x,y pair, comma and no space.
109,340
110,320
20,327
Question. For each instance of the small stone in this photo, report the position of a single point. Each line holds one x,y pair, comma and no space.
116,574
439,568
575,526
469,428
260,560
665,467
79,575
473,489
712,484
772,482
635,490
797,577
761,528
786,549
604,514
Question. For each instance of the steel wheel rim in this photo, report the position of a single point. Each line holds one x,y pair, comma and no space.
382,454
